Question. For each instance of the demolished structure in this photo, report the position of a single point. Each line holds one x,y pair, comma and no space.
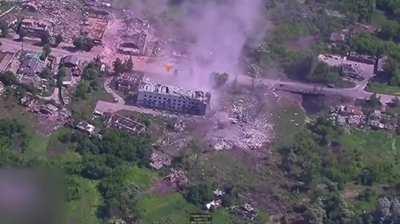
171,98
35,28
125,124
128,82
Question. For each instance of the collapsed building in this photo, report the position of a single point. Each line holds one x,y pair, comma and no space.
125,124
138,38
127,83
95,25
136,45
72,64
31,64
35,28
171,98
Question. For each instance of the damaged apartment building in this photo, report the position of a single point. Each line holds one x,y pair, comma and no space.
173,99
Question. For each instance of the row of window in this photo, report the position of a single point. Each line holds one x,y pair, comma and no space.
168,100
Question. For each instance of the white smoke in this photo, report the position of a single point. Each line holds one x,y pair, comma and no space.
219,30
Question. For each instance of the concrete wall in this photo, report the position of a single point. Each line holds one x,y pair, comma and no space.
171,103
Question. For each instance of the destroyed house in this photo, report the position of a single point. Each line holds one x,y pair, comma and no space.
125,124
35,28
172,98
367,59
72,63
95,29
137,44
128,82
31,64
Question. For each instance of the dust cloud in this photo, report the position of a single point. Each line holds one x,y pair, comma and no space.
218,31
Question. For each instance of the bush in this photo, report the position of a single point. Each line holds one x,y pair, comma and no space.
199,194
84,43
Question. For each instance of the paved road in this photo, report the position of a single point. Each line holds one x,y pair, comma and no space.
356,92
157,67
11,45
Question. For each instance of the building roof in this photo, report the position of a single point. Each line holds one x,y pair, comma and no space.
148,86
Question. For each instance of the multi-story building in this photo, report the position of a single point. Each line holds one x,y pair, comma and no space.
172,98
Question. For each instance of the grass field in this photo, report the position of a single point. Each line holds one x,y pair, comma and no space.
383,88
142,177
375,150
288,122
37,145
84,210
170,209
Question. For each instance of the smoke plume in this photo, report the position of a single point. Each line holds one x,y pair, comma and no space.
218,30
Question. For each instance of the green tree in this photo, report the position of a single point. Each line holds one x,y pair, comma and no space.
62,72
368,44
374,102
129,64
199,194
118,66
46,73
83,43
3,28
82,90
361,10
45,38
8,78
390,30
58,39
46,51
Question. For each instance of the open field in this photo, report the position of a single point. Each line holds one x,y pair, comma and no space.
84,209
383,88
167,209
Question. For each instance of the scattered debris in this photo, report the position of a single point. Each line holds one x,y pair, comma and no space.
125,124
160,160
86,127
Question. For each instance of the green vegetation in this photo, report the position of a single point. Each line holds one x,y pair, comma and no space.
166,209
121,67
4,29
383,88
83,208
83,43
324,161
46,51
89,91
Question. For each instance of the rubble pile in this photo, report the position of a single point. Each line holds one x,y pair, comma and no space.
177,178
241,125
63,15
354,117
159,160
246,211
51,117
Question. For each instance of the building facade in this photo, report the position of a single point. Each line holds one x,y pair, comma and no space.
172,98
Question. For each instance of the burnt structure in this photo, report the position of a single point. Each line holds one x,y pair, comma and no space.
172,98
125,124
128,82
35,28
